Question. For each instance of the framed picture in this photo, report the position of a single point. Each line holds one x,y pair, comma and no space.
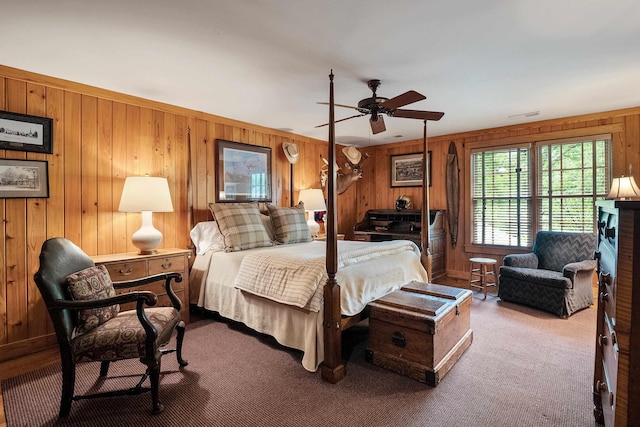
24,178
25,133
406,170
243,172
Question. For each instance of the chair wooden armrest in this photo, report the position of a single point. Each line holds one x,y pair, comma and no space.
167,277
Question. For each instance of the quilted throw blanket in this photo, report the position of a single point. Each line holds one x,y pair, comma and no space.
294,274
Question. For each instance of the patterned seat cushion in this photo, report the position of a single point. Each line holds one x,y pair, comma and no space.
537,276
123,336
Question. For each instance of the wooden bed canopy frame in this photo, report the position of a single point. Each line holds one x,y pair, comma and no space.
332,368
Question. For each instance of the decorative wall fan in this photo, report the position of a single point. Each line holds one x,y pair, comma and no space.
377,105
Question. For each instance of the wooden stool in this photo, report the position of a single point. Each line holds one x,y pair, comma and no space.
483,274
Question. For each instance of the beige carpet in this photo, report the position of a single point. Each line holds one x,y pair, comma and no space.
524,368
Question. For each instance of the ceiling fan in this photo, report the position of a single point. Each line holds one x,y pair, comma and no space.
378,105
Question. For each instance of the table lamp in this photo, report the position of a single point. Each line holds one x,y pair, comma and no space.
146,194
313,200
624,188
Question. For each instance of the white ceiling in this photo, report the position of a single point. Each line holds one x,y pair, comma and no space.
267,61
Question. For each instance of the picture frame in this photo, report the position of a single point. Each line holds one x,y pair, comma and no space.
24,178
23,132
243,172
406,170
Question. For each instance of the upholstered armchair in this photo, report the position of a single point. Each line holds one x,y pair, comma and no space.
556,277
83,305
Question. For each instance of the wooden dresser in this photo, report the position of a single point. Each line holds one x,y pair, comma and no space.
616,382
388,224
130,265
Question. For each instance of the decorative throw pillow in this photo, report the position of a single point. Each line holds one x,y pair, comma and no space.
290,224
92,283
241,225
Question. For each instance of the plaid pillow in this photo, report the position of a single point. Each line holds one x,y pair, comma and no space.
241,225
290,224
92,283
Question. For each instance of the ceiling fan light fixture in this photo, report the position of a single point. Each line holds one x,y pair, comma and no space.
378,105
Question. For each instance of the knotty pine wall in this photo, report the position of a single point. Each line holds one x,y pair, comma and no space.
374,190
99,138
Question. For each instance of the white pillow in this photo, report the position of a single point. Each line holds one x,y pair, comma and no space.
207,237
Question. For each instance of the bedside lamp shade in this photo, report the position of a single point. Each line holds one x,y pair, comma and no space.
624,188
313,200
146,194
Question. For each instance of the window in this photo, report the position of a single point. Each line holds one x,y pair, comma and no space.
572,175
501,197
566,176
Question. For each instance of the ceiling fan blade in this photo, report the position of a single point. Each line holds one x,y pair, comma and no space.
403,99
339,105
342,120
377,126
417,114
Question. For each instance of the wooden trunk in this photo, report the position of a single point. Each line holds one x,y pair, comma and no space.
420,331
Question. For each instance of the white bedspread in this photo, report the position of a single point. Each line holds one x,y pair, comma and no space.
287,275
361,281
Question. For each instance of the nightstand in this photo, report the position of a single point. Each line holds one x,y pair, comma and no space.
130,265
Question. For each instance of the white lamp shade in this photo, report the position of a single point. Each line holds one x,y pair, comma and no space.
623,188
313,199
145,193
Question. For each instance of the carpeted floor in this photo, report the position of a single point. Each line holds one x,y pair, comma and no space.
524,368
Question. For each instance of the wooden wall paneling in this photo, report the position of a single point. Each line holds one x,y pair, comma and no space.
3,265
55,202
228,132
185,129
632,148
119,154
164,125
277,169
280,157
104,161
182,190
72,167
237,135
209,170
270,142
37,317
89,174
15,232
157,168
199,137
133,138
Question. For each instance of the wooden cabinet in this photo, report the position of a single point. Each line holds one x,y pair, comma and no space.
616,382
130,265
385,224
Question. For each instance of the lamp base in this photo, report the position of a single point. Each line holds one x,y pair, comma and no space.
314,227
147,238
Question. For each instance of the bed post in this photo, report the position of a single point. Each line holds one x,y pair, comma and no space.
332,367
426,220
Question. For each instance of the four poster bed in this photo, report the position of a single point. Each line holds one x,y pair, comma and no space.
241,275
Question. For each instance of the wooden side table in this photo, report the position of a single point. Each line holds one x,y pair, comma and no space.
130,265
483,274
